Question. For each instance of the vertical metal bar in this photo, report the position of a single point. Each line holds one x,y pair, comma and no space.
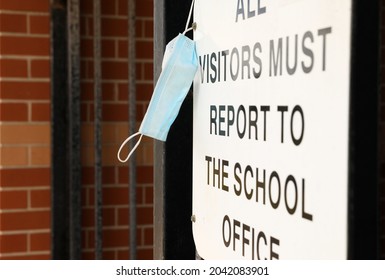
59,132
97,134
159,44
132,123
74,132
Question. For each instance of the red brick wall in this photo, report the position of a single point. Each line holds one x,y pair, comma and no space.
25,128
114,26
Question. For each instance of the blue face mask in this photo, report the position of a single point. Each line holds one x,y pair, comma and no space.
179,66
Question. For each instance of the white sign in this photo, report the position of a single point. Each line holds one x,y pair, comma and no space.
271,108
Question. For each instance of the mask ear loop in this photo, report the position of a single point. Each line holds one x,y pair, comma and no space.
133,149
186,29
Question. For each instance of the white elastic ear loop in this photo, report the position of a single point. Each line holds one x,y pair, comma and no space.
189,17
133,149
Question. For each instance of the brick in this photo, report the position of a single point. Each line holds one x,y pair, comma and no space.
88,255
148,236
108,175
108,48
25,91
139,31
41,112
39,24
149,29
13,112
145,216
148,71
25,134
113,27
122,7
40,156
40,241
25,177
87,134
40,198
40,68
108,7
139,195
13,68
90,69
123,48
13,243
115,237
90,26
145,175
84,70
108,216
109,134
144,49
139,237
88,175
83,24
148,149
115,196
28,257
140,111
88,219
123,91
123,255
149,196
25,46
144,91
123,175
145,254
123,216
108,255
115,112
30,6
86,91
15,23
86,7
13,156
139,71
108,91
114,70
121,131
84,193
13,200
88,156
25,220
109,155
86,48
144,8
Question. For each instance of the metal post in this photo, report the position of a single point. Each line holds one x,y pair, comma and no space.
98,134
59,131
74,128
132,123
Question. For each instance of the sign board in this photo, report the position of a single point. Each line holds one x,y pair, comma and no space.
271,123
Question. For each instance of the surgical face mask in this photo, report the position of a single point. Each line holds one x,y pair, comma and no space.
179,66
